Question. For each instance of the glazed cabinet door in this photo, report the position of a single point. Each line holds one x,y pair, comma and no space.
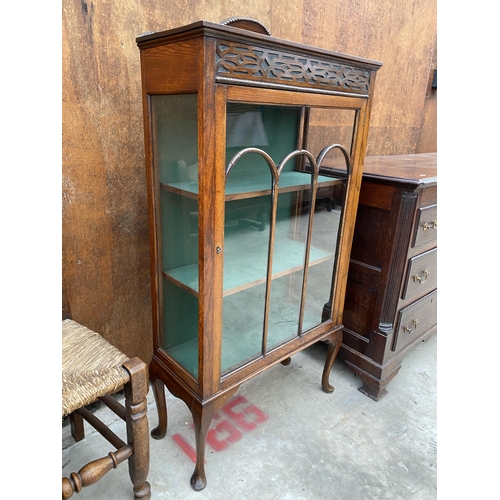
281,224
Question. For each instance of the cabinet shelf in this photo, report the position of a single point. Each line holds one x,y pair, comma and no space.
248,340
242,187
240,271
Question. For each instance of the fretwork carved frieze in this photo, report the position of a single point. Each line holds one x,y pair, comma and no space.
237,61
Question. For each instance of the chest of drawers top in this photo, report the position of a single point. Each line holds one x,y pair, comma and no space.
413,170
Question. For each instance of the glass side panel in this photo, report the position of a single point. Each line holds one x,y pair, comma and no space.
175,161
259,316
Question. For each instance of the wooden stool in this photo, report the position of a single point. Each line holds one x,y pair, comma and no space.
93,369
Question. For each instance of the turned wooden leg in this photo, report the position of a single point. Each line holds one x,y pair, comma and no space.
158,386
136,391
334,342
76,423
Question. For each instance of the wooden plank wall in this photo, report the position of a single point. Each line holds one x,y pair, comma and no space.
105,234
427,140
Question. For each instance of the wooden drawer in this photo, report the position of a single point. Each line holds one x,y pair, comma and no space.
421,277
414,320
426,225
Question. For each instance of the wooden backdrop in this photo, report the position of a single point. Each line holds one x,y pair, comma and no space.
105,233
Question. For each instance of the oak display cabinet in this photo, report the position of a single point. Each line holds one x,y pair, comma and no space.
248,259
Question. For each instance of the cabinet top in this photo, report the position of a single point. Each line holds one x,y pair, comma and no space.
220,31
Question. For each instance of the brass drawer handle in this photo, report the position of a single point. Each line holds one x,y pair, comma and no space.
409,329
423,278
430,225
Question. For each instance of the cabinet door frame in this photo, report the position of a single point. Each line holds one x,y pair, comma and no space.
251,95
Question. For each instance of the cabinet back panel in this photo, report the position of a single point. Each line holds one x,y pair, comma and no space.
276,135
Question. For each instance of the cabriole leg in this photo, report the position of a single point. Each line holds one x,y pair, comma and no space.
202,418
158,386
334,342
286,361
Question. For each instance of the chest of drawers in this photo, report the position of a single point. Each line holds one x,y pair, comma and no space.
391,296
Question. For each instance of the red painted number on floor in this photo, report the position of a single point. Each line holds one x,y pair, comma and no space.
242,415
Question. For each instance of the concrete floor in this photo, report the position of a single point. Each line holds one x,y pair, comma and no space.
295,441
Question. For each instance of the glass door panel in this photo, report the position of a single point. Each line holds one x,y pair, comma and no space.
175,160
281,224
246,249
327,126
